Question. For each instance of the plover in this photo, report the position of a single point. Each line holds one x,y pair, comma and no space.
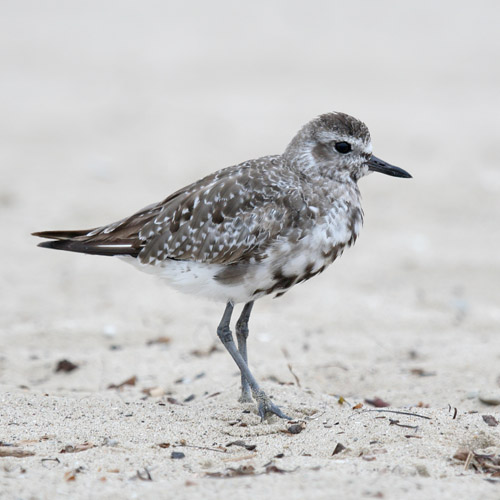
249,230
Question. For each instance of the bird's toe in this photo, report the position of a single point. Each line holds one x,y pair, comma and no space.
267,407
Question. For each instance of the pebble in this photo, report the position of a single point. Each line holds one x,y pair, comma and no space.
490,398
157,392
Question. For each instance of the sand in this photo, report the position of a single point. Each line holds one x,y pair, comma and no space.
109,106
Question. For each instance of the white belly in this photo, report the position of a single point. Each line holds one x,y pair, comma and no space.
284,258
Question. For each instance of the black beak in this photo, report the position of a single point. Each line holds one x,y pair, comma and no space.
377,165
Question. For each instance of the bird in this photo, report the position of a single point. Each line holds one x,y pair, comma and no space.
249,230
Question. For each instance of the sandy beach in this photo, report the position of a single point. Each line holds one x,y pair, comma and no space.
113,385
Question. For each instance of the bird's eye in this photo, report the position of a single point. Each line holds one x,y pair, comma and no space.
343,147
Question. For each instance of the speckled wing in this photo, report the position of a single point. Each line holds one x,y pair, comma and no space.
231,216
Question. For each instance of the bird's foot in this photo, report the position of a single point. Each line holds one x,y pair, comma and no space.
246,397
267,407
246,392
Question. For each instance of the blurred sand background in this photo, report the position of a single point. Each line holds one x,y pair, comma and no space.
108,106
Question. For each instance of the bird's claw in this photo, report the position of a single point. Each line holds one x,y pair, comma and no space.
266,406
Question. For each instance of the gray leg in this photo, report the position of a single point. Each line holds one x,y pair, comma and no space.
241,337
265,405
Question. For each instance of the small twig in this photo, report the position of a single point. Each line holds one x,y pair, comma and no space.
287,357
144,476
379,410
455,411
240,458
294,376
314,416
396,422
468,460
199,447
56,460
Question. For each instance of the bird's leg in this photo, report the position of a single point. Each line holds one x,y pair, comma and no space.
265,405
241,337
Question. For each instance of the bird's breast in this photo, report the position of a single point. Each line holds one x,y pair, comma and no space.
290,262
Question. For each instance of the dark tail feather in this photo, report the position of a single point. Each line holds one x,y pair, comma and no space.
90,248
61,235
74,241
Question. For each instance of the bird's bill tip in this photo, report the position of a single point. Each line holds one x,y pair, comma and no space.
377,165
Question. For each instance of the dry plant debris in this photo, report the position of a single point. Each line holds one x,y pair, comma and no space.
490,420
338,449
480,462
377,403
77,448
14,451
159,340
200,353
247,470
249,447
296,428
130,381
65,366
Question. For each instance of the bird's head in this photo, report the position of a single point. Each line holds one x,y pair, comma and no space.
337,146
